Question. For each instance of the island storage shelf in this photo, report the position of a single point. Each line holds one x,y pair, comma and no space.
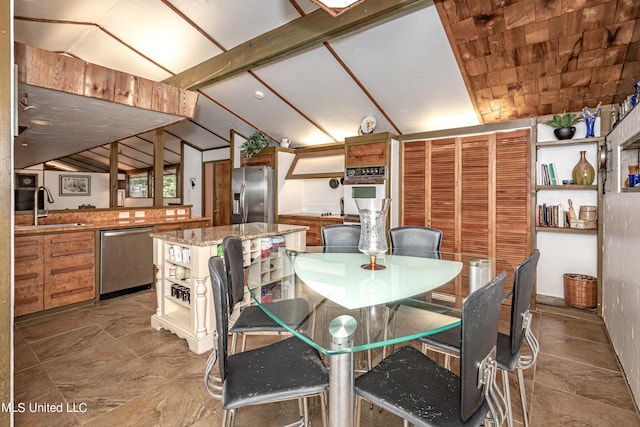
184,301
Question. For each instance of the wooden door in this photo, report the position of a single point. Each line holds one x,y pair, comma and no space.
476,202
513,199
414,182
476,189
441,203
217,192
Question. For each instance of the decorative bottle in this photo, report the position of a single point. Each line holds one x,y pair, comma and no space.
583,173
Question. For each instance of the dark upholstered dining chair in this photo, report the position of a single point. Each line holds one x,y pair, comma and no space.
406,240
285,370
344,237
510,356
251,319
412,386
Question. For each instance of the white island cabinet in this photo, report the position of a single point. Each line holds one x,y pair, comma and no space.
183,288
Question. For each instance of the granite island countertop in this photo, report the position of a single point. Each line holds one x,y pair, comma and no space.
213,235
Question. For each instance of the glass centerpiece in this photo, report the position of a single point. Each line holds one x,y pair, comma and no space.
373,229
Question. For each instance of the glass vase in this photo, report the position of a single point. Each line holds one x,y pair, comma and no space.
373,229
583,173
590,121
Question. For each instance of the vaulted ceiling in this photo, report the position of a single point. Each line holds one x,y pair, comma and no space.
292,70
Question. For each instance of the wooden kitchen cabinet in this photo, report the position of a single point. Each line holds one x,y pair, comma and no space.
266,157
368,150
28,274
315,224
69,268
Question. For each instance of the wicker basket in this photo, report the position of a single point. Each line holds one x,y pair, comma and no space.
580,290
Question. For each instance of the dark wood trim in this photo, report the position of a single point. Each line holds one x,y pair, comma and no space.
6,227
158,167
113,175
303,33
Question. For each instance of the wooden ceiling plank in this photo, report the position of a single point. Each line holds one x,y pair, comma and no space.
547,9
591,59
571,51
300,34
519,13
599,16
514,38
536,32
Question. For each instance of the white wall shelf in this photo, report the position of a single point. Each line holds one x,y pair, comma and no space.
564,249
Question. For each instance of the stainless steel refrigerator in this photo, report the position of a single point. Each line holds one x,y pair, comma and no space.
252,194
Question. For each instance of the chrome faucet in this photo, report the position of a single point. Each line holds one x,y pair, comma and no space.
36,215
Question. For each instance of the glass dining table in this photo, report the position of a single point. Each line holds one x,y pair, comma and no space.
352,309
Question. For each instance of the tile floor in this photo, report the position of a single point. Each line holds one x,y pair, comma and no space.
106,362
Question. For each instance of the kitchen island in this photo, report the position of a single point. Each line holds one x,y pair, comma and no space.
184,301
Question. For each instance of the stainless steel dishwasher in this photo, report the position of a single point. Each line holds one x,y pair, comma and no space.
126,260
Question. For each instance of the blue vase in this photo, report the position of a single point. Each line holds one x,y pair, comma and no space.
590,122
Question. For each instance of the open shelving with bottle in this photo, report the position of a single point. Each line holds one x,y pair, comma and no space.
563,247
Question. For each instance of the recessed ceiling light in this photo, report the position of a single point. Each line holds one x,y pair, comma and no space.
258,95
40,122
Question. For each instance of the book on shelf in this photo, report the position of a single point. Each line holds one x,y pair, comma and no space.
551,216
548,174
552,172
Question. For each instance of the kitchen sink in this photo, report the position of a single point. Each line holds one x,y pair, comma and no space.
38,227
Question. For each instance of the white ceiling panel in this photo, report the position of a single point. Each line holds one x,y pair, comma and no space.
197,136
64,10
165,37
97,47
52,37
409,67
270,114
319,86
219,120
232,22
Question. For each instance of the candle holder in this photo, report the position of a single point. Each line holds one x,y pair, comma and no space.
373,226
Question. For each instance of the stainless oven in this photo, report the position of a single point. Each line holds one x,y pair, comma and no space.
363,183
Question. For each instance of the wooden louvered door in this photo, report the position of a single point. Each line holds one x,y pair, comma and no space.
476,189
476,202
441,204
513,199
414,183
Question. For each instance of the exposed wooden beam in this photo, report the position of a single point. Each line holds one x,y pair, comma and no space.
300,34
41,68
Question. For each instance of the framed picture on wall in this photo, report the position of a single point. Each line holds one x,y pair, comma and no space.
75,185
26,181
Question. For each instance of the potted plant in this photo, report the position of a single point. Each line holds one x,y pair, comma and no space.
564,125
255,144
